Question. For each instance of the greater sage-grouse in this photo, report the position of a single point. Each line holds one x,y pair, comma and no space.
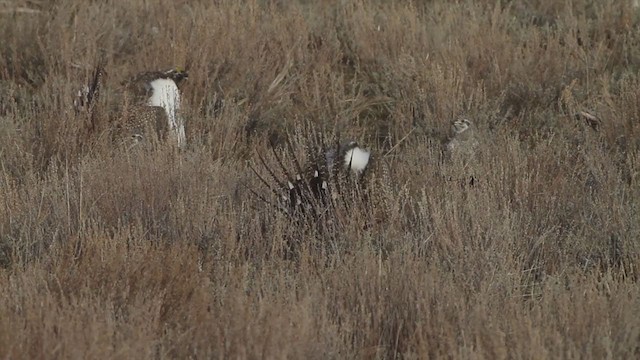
459,149
330,174
460,140
156,108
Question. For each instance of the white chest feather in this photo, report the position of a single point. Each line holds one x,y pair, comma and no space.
166,95
358,158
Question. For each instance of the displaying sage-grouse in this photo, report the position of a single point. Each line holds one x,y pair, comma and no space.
156,108
329,175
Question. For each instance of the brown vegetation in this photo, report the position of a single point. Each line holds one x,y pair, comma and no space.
113,252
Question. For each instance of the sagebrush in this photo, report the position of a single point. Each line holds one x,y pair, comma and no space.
108,251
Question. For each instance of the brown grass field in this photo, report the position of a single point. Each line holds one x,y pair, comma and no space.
108,251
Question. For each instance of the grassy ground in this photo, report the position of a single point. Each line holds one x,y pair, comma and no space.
152,253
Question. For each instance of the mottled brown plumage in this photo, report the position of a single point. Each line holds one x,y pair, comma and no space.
140,120
461,140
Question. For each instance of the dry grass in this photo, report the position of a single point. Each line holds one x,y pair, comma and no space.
151,253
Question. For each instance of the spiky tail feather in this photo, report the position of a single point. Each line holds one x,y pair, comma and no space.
317,198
